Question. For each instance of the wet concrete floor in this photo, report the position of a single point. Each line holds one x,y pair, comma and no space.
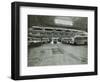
57,54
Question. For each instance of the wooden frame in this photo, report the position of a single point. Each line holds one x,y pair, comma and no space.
15,57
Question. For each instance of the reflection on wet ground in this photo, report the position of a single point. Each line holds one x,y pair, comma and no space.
57,54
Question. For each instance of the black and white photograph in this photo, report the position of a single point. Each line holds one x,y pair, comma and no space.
57,40
53,40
